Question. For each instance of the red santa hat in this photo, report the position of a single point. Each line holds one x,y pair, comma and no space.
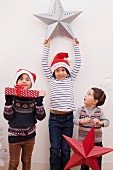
60,60
24,71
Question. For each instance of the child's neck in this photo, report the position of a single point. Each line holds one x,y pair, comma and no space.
91,107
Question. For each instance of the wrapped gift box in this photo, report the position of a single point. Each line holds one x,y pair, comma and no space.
21,92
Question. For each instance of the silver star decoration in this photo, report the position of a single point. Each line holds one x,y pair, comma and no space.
58,21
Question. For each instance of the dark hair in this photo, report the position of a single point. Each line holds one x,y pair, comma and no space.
99,95
19,77
66,71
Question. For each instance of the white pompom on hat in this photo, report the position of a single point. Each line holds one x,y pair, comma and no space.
60,60
24,71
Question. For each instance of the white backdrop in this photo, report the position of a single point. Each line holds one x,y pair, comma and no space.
21,45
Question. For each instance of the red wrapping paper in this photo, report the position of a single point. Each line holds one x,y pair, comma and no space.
21,92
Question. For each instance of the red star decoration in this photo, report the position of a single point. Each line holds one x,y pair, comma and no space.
85,152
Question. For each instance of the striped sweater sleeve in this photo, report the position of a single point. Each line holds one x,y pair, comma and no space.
104,119
76,119
77,64
45,65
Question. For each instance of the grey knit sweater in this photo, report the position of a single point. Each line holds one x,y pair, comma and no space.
97,113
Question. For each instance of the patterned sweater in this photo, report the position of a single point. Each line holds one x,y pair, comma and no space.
97,113
61,91
22,116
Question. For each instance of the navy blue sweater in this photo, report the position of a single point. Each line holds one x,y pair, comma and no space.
22,116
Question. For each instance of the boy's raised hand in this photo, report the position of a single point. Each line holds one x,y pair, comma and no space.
42,93
47,43
75,41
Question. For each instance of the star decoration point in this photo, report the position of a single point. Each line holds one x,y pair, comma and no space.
85,152
58,21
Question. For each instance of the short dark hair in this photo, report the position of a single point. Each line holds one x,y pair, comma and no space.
19,77
66,71
99,95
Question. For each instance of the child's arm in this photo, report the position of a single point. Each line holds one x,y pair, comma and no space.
45,65
8,108
104,122
78,121
40,111
77,64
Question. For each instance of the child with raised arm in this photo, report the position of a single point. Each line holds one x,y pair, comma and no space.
62,105
92,115
22,114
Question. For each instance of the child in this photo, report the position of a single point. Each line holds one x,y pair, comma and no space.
91,115
61,103
22,114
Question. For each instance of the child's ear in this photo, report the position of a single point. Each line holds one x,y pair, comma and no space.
68,75
95,101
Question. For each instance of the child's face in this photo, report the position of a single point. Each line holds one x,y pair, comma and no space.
89,100
61,73
25,81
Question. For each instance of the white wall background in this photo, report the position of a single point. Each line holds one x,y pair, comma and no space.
21,45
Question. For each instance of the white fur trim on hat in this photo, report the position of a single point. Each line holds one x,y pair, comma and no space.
24,72
60,64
